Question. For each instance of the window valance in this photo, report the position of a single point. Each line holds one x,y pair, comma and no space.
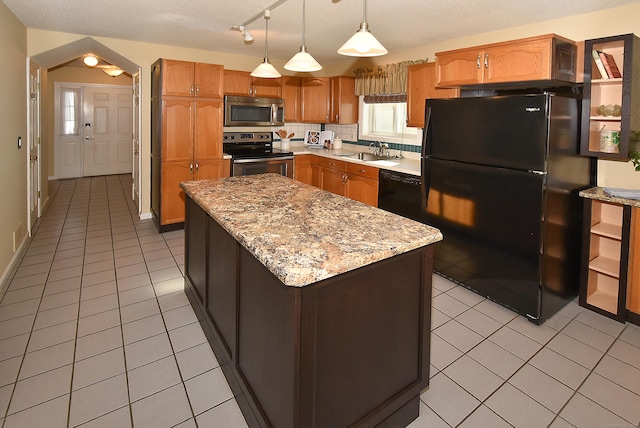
388,79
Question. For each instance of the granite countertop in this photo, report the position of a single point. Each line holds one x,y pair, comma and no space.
303,234
599,194
408,165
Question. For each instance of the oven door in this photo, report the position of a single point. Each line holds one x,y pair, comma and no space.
281,165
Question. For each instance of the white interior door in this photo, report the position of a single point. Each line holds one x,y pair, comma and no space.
108,134
67,131
135,189
33,178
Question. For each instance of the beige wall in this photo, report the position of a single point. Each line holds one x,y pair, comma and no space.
13,123
68,74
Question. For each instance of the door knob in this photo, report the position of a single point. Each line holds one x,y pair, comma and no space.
33,158
88,138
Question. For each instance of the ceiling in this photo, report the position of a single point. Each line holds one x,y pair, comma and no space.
206,24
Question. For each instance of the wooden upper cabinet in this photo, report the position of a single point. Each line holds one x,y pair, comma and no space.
243,84
291,96
421,81
208,80
344,102
188,79
315,97
547,57
270,88
237,82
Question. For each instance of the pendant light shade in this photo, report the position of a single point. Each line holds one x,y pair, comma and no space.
363,43
303,61
266,70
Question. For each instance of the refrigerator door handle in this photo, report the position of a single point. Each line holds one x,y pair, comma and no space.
427,126
533,171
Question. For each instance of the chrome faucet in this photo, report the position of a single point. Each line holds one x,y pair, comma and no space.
379,148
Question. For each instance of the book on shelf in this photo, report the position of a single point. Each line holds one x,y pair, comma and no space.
598,61
610,65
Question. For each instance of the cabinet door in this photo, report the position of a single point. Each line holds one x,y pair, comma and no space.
270,88
362,189
237,82
421,84
302,168
208,80
177,78
519,61
461,67
177,131
173,197
208,131
315,94
333,181
291,96
344,102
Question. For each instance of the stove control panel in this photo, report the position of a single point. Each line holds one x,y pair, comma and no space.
247,137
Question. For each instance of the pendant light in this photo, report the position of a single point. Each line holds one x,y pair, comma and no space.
303,61
265,69
363,43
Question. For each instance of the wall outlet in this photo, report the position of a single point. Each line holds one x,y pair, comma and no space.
17,236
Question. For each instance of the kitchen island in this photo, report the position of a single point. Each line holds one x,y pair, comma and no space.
317,307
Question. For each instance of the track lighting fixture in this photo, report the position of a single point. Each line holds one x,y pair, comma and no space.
246,34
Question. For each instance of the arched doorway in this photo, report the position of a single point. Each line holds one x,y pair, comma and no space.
65,63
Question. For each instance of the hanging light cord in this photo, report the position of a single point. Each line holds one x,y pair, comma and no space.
267,15
364,24
304,20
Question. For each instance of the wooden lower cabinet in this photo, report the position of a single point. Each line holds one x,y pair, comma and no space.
610,283
351,350
350,179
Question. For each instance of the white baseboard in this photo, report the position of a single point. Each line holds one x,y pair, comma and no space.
146,216
4,283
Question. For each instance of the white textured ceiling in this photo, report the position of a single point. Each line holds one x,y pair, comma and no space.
205,24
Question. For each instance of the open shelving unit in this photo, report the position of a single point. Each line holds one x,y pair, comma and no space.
601,90
604,286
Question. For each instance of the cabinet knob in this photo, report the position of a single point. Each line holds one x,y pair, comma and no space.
191,90
191,168
486,60
197,167
197,89
362,170
478,62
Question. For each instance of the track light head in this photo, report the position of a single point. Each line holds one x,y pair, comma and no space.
246,34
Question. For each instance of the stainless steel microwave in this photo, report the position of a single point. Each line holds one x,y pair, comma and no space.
250,111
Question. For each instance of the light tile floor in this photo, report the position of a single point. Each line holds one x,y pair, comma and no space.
95,331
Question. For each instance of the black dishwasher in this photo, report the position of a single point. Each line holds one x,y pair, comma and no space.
400,193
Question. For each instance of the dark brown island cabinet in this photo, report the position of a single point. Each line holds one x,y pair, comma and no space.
318,314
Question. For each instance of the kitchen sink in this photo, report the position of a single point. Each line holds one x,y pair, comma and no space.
364,156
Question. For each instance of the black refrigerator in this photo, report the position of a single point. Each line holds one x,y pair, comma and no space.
500,179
